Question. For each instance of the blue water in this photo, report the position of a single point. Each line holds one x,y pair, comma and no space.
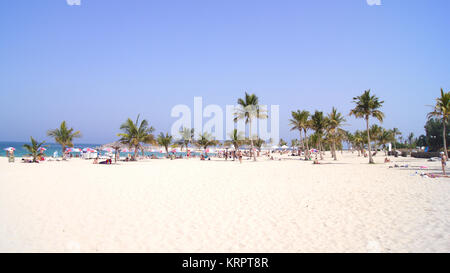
52,147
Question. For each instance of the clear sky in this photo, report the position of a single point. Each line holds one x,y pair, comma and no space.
96,64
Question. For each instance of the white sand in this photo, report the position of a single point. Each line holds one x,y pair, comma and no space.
218,206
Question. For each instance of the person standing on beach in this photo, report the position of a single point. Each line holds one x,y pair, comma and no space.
443,162
11,156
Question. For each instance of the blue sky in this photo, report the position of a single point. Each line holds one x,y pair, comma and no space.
96,64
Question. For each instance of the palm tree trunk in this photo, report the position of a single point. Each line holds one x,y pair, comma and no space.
302,140
251,140
368,142
445,138
320,150
334,150
307,147
136,151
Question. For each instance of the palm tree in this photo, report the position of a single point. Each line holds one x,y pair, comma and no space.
335,121
314,139
249,109
300,121
396,133
136,133
358,139
64,136
258,143
318,124
187,136
237,139
442,110
384,137
375,131
367,106
164,140
410,140
295,145
35,149
205,140
349,139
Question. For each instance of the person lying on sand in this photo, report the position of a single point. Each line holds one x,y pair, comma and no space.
387,160
316,161
28,161
107,161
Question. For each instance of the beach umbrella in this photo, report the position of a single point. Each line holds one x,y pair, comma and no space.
284,147
76,150
69,150
107,149
124,150
10,149
42,149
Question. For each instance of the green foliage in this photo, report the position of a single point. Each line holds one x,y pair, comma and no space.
135,134
187,137
236,139
258,143
442,111
205,140
164,140
248,110
434,134
64,135
35,149
367,106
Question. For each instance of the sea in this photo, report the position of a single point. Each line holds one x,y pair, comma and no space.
55,147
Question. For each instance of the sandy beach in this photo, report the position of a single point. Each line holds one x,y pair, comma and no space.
218,206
